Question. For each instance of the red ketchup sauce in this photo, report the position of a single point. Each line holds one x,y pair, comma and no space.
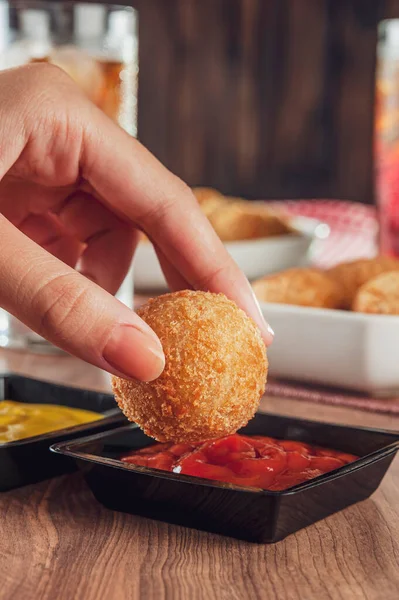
255,461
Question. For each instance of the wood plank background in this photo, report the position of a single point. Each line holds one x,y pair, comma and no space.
266,99
262,98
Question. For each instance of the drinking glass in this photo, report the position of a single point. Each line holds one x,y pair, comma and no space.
387,136
97,45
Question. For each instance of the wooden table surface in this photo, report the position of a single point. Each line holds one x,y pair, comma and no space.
57,542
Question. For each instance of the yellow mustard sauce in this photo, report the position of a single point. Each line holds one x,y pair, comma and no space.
19,420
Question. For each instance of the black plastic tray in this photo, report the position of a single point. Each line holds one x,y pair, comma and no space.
29,460
244,513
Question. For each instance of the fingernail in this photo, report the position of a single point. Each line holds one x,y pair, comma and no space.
266,330
135,353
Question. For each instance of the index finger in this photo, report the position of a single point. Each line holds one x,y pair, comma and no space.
133,183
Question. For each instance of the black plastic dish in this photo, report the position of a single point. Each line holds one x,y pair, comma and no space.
29,460
245,513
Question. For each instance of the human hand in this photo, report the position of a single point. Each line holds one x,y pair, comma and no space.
75,189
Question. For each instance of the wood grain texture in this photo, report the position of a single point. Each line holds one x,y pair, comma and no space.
56,541
262,99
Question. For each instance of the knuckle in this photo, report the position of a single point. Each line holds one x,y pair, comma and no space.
182,195
42,84
210,280
51,88
184,190
40,74
54,127
64,304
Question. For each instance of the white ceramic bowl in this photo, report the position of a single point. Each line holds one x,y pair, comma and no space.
254,257
335,348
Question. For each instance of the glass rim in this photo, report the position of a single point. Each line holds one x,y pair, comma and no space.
46,4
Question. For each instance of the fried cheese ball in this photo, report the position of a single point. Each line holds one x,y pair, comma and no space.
379,295
300,287
215,371
241,221
352,275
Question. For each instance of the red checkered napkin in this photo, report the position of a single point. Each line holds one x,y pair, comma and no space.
308,393
353,228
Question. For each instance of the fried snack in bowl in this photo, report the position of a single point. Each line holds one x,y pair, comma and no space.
352,275
241,221
300,287
235,219
379,295
215,372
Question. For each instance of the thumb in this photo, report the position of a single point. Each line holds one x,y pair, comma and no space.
72,312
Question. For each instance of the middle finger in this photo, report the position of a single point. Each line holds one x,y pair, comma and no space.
109,242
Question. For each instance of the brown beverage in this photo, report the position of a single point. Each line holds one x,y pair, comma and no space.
102,80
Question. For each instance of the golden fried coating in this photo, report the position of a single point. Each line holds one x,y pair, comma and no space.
213,205
203,194
243,221
301,287
210,200
215,371
352,275
379,295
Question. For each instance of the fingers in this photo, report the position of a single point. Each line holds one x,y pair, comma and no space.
72,312
136,186
46,231
173,278
107,258
61,138
110,242
20,197
82,228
